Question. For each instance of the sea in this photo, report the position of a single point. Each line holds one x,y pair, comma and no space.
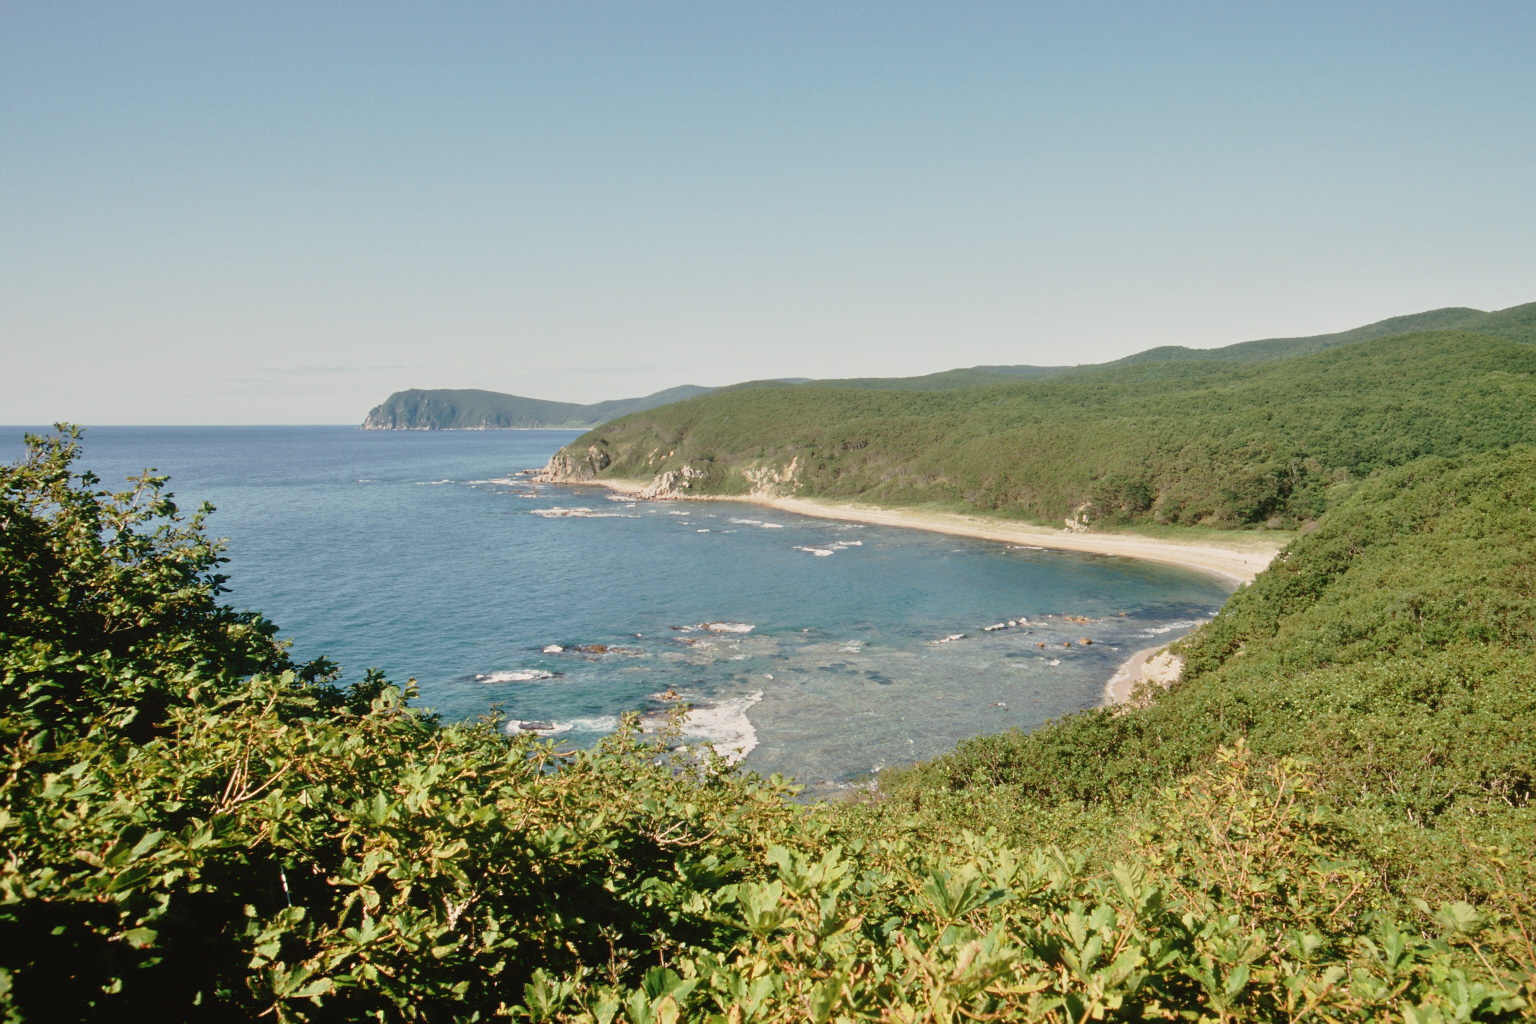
821,650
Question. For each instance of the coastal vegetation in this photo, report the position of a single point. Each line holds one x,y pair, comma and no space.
1329,818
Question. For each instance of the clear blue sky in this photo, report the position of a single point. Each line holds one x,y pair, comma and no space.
280,212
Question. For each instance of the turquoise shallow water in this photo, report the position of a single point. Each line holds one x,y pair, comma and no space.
421,553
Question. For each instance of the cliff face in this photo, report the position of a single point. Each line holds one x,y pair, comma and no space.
694,478
472,410
571,465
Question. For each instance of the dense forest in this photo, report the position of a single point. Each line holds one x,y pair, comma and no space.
1329,818
1226,443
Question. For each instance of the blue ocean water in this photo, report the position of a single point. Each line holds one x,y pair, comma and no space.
422,554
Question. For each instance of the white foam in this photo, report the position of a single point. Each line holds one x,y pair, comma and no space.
832,548
747,522
601,724
516,676
580,512
1152,631
727,627
772,526
724,727
517,728
431,483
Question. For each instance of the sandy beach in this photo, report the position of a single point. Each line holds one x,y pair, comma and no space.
1235,562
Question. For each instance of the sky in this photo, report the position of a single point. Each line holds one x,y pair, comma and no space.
271,212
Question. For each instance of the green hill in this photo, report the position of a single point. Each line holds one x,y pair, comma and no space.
1225,443
1517,323
468,409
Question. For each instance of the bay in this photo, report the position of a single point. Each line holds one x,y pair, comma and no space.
424,555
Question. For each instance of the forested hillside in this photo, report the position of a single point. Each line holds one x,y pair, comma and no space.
1224,443
1517,323
1329,819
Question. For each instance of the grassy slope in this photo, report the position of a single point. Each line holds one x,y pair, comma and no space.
1184,442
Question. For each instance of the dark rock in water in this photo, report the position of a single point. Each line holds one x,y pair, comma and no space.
535,726
606,649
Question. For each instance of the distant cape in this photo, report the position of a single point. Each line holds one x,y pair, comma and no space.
470,409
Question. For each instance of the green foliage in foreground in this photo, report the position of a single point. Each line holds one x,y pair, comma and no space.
193,827
1213,443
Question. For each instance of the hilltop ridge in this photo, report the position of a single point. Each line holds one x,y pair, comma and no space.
473,409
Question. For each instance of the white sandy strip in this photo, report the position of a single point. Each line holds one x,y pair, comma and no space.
1157,664
1127,676
1236,563
1229,562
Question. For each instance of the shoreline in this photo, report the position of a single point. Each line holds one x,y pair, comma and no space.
1232,564
1156,664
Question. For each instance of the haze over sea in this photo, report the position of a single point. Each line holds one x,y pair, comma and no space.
420,553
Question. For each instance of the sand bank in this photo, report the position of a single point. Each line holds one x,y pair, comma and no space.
1237,562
